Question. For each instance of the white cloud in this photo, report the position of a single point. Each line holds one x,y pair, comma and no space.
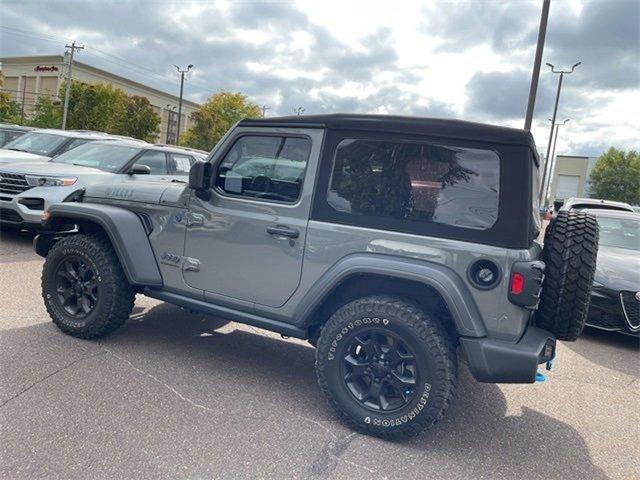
469,59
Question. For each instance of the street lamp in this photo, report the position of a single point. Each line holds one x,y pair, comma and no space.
553,120
551,160
181,72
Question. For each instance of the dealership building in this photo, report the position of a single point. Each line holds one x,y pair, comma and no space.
571,176
26,78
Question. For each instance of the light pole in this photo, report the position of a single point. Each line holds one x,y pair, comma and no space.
542,31
551,159
181,72
553,121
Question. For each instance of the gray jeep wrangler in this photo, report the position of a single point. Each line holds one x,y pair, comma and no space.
394,245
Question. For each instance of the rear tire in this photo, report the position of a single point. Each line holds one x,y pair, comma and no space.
387,367
569,253
84,288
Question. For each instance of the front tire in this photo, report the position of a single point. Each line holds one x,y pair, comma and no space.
84,288
387,367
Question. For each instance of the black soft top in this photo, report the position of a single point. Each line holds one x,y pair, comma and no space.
434,127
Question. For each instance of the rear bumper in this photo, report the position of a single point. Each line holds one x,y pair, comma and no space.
496,361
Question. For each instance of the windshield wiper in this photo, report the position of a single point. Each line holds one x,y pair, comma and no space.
17,149
178,181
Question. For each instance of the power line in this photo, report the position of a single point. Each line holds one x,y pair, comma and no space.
44,36
110,58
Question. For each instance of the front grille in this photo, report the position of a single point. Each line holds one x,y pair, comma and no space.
13,183
631,308
7,215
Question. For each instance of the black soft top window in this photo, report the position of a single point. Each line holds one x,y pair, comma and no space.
434,186
416,181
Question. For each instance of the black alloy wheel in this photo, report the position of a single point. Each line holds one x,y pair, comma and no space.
76,287
380,370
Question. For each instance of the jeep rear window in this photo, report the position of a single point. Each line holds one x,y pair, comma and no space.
415,181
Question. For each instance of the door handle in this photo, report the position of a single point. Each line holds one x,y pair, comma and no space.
283,231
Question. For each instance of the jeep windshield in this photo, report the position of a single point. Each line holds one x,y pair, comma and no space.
104,156
37,142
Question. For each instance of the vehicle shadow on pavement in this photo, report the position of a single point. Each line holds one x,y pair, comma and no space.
238,371
478,431
608,349
17,236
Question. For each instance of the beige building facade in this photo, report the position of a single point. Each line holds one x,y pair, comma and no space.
571,176
26,78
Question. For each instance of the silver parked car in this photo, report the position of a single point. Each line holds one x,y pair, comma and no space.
27,189
41,145
9,132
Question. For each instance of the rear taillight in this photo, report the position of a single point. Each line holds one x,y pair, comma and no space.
517,283
525,283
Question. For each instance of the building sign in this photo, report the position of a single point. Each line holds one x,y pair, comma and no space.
45,68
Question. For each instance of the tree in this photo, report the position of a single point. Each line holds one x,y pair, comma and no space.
9,110
103,108
215,117
140,121
616,176
98,107
46,113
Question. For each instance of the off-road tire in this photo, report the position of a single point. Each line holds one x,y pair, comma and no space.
569,253
115,295
434,352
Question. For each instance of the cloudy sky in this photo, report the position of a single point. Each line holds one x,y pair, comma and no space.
469,59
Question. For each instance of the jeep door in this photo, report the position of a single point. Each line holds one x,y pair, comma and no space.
247,235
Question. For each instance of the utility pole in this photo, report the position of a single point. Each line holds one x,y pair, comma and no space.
542,31
552,160
181,72
553,122
264,110
24,92
73,47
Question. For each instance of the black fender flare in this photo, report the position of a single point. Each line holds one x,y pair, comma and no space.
442,279
125,230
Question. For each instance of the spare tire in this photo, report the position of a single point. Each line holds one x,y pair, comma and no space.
569,253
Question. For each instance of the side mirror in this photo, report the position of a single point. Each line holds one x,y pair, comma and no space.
138,169
200,176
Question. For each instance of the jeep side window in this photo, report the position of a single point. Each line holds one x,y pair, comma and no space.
421,182
265,167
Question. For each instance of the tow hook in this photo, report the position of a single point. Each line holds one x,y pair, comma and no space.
541,377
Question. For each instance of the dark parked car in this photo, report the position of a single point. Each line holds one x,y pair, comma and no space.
615,298
9,132
576,203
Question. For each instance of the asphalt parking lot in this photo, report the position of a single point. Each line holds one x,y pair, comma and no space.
168,397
